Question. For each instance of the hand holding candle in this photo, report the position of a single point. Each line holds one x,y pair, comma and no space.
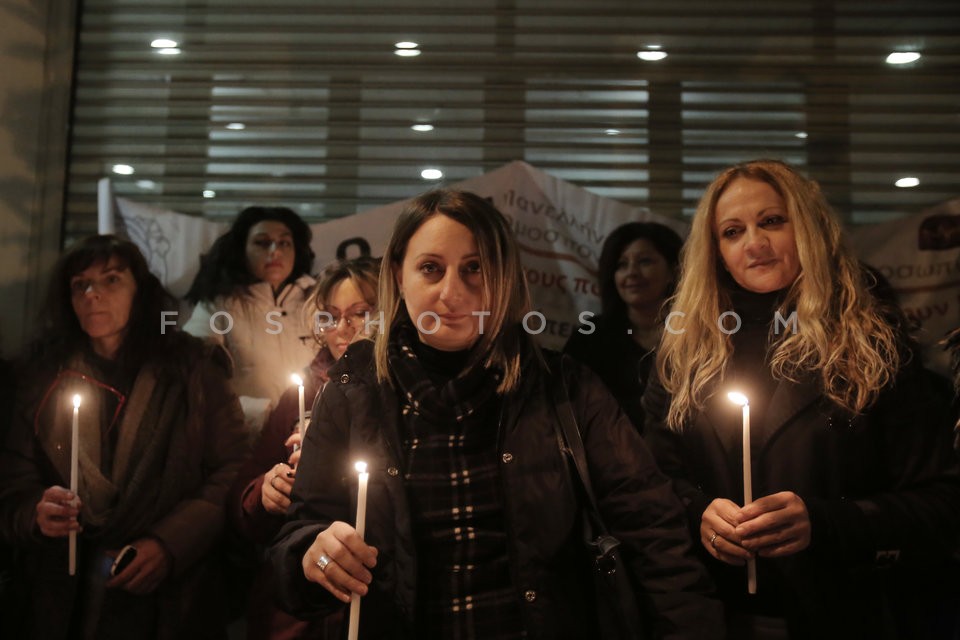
361,468
740,399
74,475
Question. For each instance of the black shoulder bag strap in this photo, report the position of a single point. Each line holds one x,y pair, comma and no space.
573,446
617,609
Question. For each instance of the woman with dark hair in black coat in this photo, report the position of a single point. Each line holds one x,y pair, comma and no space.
160,438
637,273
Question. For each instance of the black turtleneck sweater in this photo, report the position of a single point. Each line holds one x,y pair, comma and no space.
749,367
441,366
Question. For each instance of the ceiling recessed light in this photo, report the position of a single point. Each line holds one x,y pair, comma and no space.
406,45
800,134
903,57
431,174
122,169
236,126
422,127
209,193
146,184
169,52
651,56
909,181
612,132
164,43
654,47
407,53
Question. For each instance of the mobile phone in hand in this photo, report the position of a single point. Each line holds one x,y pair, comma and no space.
124,558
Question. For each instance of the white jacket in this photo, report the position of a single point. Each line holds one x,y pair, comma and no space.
269,340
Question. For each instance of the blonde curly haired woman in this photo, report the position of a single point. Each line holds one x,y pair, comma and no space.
851,466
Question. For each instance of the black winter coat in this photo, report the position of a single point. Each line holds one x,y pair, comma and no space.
199,444
881,489
357,418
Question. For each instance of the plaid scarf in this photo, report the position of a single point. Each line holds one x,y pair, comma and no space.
465,590
458,399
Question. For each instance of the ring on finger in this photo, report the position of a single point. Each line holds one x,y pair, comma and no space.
322,562
713,540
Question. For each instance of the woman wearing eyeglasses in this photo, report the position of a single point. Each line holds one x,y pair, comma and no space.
160,440
339,307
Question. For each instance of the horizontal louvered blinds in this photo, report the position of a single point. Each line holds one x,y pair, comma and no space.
305,104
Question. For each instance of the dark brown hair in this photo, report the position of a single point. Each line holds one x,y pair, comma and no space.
60,330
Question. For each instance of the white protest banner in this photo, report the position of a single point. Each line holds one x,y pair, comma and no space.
920,256
171,242
560,228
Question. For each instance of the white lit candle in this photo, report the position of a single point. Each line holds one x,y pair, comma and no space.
74,461
361,468
301,426
740,399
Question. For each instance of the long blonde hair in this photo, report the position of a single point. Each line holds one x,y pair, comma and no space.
505,292
840,336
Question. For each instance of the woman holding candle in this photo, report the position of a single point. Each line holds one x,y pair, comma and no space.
160,439
249,296
340,303
472,515
637,272
851,466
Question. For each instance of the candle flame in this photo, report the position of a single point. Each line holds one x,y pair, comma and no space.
361,467
297,380
738,398
76,401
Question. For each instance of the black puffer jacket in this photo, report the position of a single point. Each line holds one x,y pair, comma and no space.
358,419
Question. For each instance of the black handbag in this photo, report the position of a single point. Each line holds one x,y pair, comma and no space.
618,614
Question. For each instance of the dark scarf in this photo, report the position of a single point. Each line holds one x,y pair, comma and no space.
120,498
455,400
